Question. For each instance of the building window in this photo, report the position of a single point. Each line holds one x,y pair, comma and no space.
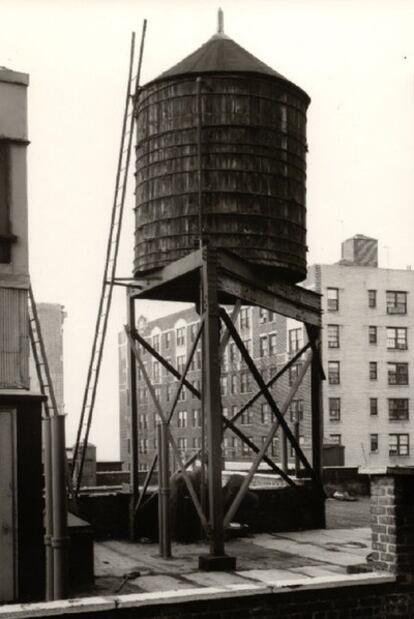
398,373
398,409
275,447
196,418
373,406
234,410
233,384
196,361
372,298
373,443
225,361
396,302
180,336
246,418
156,372
246,448
336,439
182,419
272,344
245,382
399,444
334,409
373,370
263,315
225,412
193,332
333,336
143,445
182,445
244,318
183,394
223,385
295,339
372,335
143,421
397,338
263,346
229,445
156,342
296,410
196,385
142,395
334,376
168,388
157,393
294,372
233,353
180,363
167,340
265,414
332,295
196,442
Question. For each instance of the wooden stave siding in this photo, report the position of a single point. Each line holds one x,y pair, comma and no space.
254,173
14,339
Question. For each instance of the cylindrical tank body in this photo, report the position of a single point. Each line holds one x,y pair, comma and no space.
253,170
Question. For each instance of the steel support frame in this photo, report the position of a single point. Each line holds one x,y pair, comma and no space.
224,278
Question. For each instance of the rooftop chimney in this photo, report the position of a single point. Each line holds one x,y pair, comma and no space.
360,251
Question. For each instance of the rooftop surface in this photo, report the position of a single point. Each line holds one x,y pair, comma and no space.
122,567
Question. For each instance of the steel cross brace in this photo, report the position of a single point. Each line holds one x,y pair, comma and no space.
167,419
257,376
270,382
260,453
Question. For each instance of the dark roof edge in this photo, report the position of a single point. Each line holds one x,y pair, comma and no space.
257,74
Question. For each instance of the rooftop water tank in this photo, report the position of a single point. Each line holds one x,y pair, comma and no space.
253,162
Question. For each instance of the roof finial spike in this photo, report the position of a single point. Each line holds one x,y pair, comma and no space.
220,21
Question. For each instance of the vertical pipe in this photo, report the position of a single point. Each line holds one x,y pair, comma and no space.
284,451
60,539
199,160
212,398
161,532
316,399
164,491
47,469
297,436
133,412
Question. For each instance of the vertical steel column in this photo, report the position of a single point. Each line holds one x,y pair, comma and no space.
133,412
164,532
297,437
47,469
314,334
60,539
284,451
212,398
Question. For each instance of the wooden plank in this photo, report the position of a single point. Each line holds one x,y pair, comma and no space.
169,273
253,294
250,273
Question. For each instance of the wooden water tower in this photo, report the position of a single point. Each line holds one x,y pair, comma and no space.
221,220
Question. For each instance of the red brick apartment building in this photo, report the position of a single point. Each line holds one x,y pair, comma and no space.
265,336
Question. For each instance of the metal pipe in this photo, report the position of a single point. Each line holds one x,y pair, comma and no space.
297,436
133,411
199,162
47,469
212,398
60,539
164,491
284,450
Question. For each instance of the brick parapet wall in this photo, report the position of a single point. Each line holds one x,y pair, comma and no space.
392,522
366,596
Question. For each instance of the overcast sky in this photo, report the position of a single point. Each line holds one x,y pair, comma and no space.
355,60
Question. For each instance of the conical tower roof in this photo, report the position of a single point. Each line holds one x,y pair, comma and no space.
220,54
